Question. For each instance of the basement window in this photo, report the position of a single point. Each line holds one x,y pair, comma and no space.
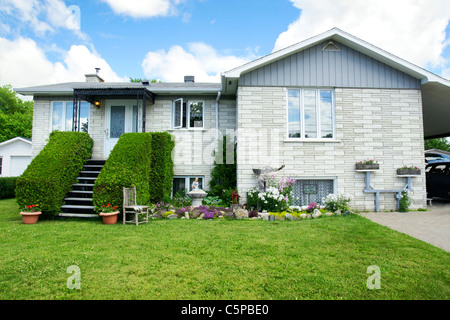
183,184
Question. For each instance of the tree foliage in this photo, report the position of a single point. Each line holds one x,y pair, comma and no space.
440,143
223,174
16,116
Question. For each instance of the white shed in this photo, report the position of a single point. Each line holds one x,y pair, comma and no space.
15,156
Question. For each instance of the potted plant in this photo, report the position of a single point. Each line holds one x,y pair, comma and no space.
408,171
109,214
367,165
30,214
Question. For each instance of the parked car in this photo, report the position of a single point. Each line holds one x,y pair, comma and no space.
435,155
438,179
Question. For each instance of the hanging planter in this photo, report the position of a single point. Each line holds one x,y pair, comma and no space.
367,165
408,171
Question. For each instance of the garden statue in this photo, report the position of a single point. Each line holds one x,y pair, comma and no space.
263,175
196,194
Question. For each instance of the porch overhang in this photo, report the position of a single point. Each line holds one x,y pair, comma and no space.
93,95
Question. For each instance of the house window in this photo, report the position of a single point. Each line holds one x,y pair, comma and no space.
1,165
183,184
307,191
187,114
311,113
62,116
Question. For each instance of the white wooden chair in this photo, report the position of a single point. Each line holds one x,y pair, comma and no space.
131,207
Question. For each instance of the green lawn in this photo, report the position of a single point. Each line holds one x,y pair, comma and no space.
325,258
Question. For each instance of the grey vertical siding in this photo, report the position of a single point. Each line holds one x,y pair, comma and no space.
314,67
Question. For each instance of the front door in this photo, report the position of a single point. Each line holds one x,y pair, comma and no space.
120,117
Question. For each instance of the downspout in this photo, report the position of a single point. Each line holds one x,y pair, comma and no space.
219,93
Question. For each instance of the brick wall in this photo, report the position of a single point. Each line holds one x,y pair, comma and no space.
381,124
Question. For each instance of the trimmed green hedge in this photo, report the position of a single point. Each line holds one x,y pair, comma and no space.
52,172
161,175
128,164
7,187
140,159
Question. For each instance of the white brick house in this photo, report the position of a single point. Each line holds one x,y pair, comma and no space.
317,107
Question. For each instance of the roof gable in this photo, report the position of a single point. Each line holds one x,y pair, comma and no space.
329,64
337,35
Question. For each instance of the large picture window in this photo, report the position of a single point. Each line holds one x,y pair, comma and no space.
187,114
311,113
62,116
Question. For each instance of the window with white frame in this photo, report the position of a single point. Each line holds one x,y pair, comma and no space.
183,184
311,113
187,114
62,116
1,165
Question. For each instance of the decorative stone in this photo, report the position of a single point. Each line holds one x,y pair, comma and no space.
289,217
347,213
303,216
316,213
263,215
186,215
271,217
172,216
338,212
328,213
241,214
201,216
308,216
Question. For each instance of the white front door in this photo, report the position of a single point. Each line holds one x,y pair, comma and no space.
120,117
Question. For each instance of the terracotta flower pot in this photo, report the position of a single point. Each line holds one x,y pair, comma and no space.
110,217
30,217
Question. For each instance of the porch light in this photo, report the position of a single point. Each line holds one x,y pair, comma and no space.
97,103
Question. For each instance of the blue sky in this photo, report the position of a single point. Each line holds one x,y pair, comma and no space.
45,42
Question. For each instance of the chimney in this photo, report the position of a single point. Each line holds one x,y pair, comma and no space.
94,77
188,79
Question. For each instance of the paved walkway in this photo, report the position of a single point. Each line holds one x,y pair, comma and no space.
432,226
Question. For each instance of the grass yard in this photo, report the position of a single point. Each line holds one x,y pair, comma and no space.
324,258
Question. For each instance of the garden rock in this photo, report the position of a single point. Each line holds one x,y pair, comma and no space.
338,212
201,216
347,213
263,215
308,216
271,217
241,214
316,213
172,216
289,217
328,214
303,216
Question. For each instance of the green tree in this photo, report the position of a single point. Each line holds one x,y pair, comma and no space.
140,80
16,116
440,143
223,174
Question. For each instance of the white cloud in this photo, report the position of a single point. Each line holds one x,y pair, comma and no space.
411,29
143,8
199,60
44,16
24,63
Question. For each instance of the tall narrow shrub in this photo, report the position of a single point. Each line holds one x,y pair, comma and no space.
52,172
129,164
161,175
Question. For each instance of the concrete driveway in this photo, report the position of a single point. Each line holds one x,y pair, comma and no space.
432,226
